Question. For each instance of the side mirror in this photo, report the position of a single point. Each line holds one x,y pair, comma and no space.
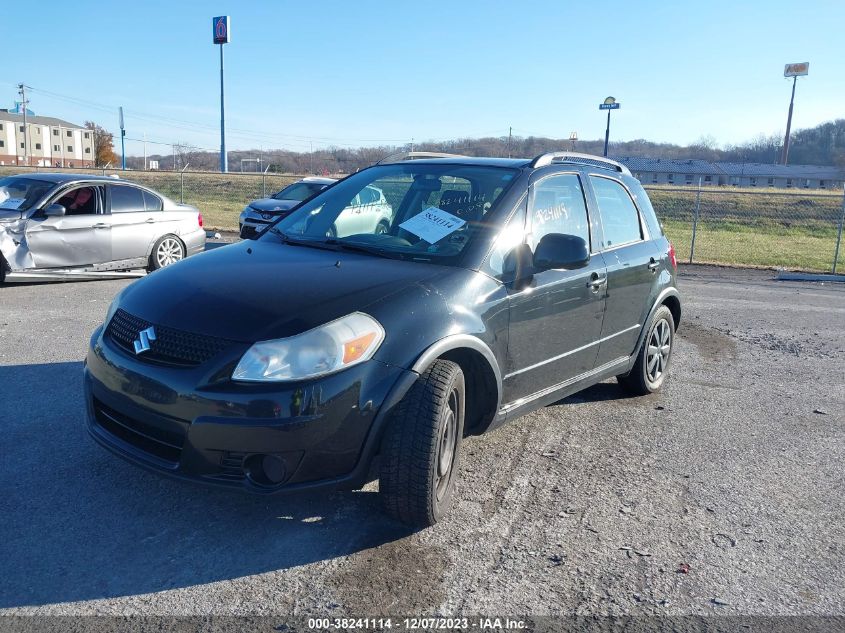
54,210
556,250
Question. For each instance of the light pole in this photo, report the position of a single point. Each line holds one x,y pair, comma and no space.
221,33
794,71
609,104
573,138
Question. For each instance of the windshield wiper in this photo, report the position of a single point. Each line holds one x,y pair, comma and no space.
287,239
365,248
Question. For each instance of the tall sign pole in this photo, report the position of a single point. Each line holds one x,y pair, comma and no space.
609,104
221,37
795,71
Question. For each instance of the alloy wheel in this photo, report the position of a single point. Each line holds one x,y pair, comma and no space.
168,252
659,348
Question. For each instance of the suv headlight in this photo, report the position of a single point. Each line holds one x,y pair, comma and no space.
324,350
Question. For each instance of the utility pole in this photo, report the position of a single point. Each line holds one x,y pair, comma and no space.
22,92
145,151
122,142
510,138
174,157
311,156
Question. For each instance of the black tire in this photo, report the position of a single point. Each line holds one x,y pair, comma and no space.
654,357
4,267
331,232
156,260
420,449
382,228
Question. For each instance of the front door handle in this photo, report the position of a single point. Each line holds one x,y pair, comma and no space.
653,264
101,225
596,281
150,220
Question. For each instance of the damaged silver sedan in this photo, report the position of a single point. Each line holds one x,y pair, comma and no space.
70,226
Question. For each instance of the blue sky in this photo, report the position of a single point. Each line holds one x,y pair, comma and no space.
374,72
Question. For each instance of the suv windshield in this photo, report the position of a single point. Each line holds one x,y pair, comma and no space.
299,191
408,210
21,193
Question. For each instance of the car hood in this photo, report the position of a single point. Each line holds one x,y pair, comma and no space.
271,204
261,290
8,215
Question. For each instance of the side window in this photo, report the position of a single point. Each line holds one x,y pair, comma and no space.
126,199
80,201
619,218
557,205
151,202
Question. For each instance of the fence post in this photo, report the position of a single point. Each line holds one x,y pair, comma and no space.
695,221
839,235
182,184
264,182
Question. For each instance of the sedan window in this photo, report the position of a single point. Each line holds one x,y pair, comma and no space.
126,199
81,201
152,202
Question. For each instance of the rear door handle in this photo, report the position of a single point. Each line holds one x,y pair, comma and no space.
597,281
653,264
150,220
101,225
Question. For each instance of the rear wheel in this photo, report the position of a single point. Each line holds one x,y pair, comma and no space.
167,250
4,268
419,452
653,358
382,227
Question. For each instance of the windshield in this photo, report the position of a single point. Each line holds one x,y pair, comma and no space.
300,191
19,193
416,211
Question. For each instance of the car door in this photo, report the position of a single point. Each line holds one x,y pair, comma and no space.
632,261
133,225
556,321
81,237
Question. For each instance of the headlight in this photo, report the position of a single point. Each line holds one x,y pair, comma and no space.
329,348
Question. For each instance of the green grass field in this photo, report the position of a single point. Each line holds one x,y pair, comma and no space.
792,229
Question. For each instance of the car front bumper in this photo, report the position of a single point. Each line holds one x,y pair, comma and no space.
186,423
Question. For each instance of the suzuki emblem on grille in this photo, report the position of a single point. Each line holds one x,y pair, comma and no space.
142,343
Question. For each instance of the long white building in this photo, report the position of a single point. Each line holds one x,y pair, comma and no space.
46,142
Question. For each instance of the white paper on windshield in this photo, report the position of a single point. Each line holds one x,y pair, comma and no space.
433,224
11,203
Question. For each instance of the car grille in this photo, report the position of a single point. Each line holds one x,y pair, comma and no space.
170,347
166,444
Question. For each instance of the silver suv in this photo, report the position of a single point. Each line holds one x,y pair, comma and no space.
259,213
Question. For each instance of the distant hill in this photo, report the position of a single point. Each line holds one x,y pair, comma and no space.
821,145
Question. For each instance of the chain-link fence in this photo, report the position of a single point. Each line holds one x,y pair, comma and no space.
780,228
793,229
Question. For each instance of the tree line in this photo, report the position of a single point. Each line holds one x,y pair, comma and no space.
820,145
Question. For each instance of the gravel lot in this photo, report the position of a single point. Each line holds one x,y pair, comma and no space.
724,494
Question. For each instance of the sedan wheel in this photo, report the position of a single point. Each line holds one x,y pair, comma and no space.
168,250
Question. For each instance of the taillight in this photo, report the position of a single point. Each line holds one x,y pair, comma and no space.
672,258
199,220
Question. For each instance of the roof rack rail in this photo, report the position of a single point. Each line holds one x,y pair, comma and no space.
583,159
402,156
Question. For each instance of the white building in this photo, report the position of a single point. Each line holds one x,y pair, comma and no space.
46,142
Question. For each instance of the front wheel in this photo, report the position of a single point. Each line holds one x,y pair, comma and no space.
419,452
167,250
653,358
